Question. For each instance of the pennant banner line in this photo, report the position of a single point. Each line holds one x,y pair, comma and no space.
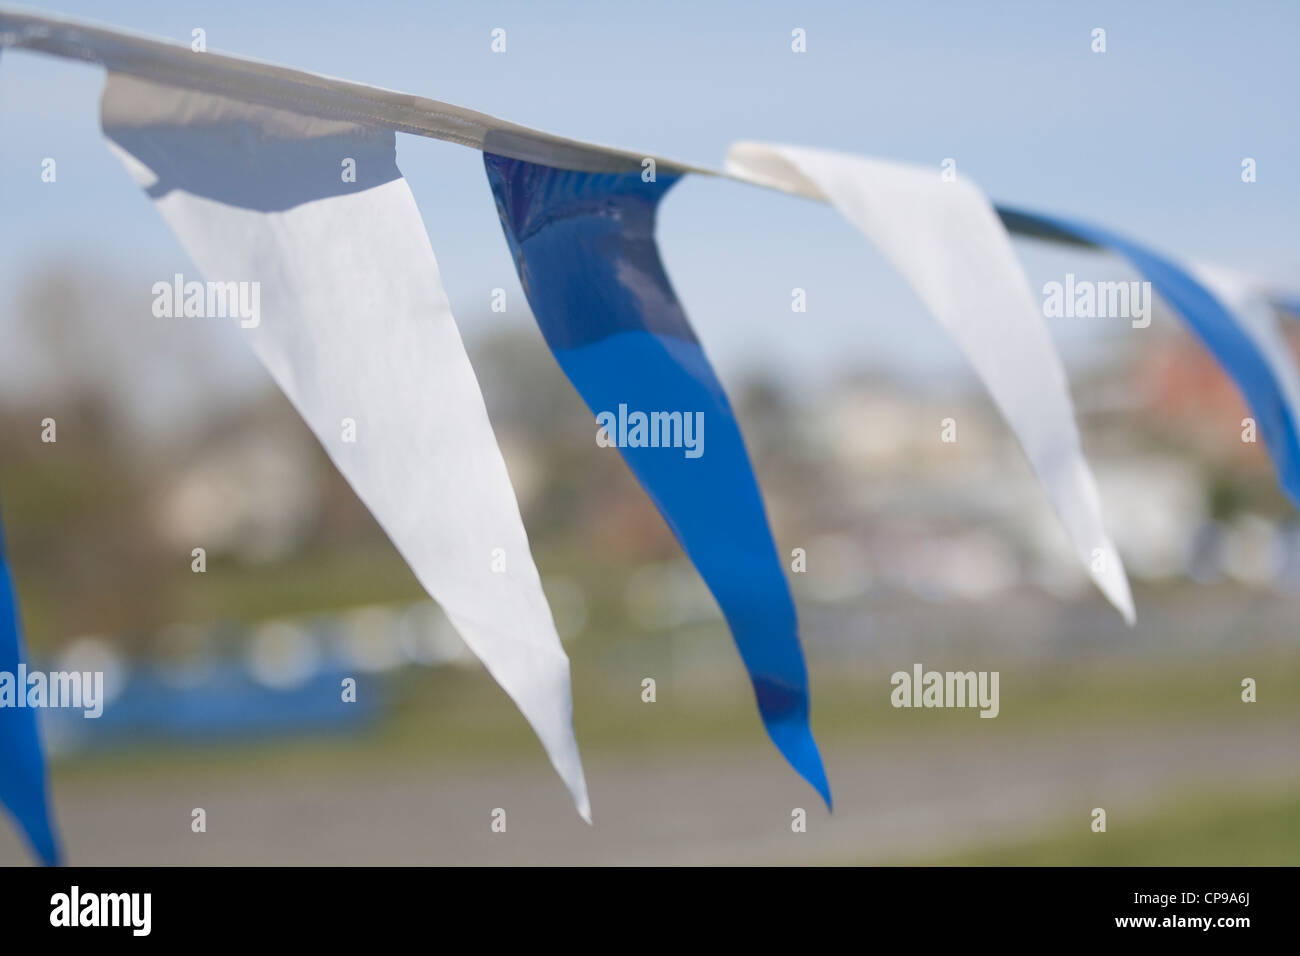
172,64
241,159
253,81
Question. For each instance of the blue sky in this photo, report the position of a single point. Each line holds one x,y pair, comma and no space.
1146,138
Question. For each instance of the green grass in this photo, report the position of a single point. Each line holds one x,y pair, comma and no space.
1255,829
459,715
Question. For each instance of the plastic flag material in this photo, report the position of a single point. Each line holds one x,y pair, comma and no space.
584,246
945,239
355,327
24,790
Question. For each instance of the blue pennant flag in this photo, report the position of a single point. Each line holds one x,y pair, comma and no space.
1231,343
584,247
23,786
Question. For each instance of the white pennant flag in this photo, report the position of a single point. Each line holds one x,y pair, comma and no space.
946,240
308,224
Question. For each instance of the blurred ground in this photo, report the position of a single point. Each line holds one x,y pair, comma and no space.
685,782
1262,828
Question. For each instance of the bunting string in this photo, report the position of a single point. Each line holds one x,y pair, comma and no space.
241,159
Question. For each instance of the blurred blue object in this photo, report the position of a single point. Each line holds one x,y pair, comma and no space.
227,704
24,789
